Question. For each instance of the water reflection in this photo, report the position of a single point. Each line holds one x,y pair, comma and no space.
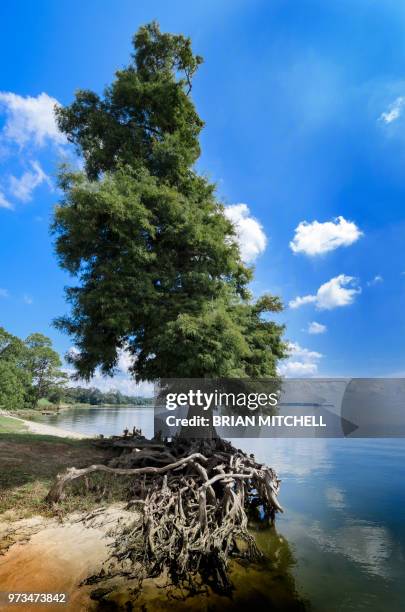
262,586
109,421
335,498
366,544
292,457
344,522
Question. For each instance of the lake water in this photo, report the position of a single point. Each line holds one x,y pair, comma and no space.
344,500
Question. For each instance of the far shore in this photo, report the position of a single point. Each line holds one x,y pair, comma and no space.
46,430
25,417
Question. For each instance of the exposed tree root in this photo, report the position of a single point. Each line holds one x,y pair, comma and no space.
194,497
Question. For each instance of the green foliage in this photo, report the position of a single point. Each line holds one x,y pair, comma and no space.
158,266
29,370
12,389
95,397
145,118
44,365
14,378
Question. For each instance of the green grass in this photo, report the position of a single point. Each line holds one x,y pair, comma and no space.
29,464
44,403
8,425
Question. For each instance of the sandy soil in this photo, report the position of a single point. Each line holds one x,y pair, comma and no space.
47,556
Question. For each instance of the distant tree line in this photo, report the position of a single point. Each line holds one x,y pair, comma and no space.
94,397
31,370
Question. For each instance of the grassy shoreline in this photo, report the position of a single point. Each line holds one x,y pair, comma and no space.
29,463
31,413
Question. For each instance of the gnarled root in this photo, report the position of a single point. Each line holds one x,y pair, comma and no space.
194,511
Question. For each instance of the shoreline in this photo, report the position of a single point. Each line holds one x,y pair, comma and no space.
36,427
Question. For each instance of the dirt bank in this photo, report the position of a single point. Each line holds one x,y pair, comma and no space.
45,555
29,464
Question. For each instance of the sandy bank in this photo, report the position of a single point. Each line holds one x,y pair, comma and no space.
47,430
46,556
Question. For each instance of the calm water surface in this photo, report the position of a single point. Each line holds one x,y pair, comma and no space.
344,500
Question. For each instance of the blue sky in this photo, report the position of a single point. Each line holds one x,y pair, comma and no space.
304,104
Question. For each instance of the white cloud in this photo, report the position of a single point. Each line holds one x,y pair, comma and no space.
304,354
339,291
123,380
375,281
301,301
22,188
125,360
301,362
250,235
4,203
297,369
30,119
27,299
317,238
27,121
4,293
316,328
394,110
